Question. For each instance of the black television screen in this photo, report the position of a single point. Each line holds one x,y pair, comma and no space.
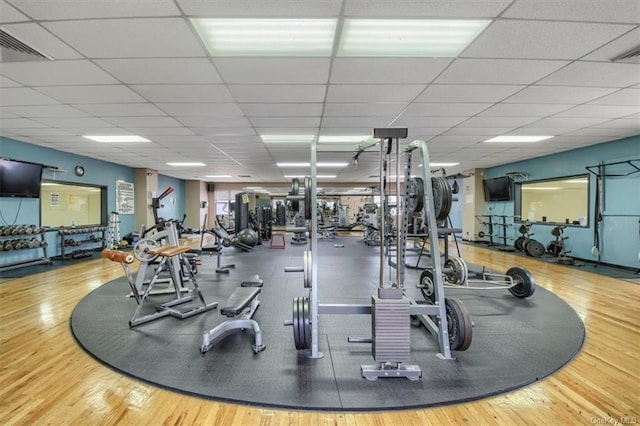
497,189
20,179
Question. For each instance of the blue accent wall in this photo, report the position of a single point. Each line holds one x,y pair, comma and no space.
27,211
169,209
620,228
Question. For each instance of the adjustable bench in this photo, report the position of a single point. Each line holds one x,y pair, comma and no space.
243,302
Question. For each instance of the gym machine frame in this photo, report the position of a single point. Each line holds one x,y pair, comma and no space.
306,310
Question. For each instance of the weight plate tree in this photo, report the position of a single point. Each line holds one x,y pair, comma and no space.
442,196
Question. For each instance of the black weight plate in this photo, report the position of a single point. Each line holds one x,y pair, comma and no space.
307,198
296,323
427,286
534,248
556,231
519,243
459,324
306,323
295,186
523,229
523,283
442,197
415,201
554,248
481,234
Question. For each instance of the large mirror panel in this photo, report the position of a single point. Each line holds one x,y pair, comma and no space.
563,200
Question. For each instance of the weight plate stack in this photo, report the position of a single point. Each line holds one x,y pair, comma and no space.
307,198
415,202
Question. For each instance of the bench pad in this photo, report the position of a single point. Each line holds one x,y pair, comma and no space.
239,300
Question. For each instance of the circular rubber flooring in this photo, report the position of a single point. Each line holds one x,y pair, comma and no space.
515,342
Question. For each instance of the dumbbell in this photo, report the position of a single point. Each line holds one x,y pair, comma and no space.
29,229
7,230
43,243
8,245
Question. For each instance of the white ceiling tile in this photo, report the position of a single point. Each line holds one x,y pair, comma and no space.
92,94
41,131
64,9
444,109
23,96
467,92
424,9
595,74
224,131
600,111
118,110
534,129
553,40
129,38
524,110
498,121
18,123
184,92
480,131
576,10
312,130
498,71
45,111
5,82
84,122
630,97
346,131
273,71
261,9
165,71
615,48
373,93
214,122
41,40
436,122
384,70
278,93
282,110
56,73
201,109
363,109
10,14
557,95
600,132
143,121
570,122
155,131
345,122
285,121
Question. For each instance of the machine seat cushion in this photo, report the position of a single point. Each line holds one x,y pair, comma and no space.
239,299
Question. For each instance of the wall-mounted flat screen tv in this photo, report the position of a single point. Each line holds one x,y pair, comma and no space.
497,189
20,179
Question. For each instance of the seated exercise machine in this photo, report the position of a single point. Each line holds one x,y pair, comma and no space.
168,254
240,308
217,247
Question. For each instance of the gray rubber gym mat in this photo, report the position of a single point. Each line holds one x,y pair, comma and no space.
515,342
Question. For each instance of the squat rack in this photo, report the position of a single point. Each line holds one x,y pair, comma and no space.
391,309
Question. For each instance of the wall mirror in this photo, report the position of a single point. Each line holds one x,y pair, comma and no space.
562,200
69,204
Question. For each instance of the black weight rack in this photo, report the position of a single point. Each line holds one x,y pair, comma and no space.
500,223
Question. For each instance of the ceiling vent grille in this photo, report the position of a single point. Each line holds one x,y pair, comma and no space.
630,57
14,50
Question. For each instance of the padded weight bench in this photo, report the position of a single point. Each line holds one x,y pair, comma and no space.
243,302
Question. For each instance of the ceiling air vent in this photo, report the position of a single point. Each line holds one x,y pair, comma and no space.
14,50
630,57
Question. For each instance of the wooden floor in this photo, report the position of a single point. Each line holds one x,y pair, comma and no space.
46,378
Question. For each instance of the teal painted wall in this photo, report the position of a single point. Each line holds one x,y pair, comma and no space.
170,209
27,211
620,228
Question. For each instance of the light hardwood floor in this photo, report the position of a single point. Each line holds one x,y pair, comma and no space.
46,378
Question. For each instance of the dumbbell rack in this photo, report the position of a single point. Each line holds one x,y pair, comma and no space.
24,241
98,237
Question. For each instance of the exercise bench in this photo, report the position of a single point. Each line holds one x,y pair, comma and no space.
242,303
167,308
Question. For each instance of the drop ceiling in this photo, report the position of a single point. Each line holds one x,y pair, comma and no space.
540,67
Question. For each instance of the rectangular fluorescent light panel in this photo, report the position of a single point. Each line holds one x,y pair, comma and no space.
439,38
341,139
519,139
186,164
218,176
443,164
287,138
309,164
116,138
267,37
